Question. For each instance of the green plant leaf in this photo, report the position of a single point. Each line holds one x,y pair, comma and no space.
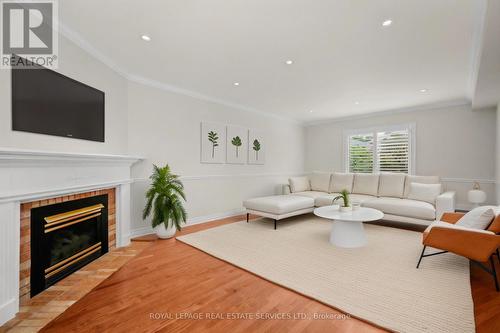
256,145
163,199
344,196
236,141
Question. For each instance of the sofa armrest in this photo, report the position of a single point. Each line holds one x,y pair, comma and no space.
285,189
445,203
473,244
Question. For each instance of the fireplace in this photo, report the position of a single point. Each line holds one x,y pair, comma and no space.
65,237
31,179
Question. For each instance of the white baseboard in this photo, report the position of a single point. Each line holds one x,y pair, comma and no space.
213,217
191,221
8,310
141,232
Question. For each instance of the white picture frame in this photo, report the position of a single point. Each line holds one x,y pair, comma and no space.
256,147
213,142
236,144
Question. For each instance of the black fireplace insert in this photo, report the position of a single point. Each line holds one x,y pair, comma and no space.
65,237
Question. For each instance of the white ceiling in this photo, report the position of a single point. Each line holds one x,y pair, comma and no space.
341,52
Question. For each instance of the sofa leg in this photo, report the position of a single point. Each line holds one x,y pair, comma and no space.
421,256
274,224
498,256
247,216
494,273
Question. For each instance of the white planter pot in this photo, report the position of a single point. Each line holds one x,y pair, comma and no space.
345,209
165,233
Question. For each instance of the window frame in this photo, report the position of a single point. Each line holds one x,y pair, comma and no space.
410,127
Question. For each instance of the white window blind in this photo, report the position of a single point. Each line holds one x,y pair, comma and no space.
393,151
380,150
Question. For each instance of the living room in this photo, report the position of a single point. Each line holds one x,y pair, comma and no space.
264,112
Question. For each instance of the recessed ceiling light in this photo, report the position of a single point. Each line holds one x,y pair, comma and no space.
289,62
310,111
387,23
236,84
357,103
423,90
146,38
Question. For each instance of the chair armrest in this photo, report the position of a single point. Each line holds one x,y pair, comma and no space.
445,203
474,244
285,189
452,217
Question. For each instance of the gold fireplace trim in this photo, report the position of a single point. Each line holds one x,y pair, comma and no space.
67,216
48,229
54,269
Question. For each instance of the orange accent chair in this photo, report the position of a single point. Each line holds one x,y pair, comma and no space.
477,245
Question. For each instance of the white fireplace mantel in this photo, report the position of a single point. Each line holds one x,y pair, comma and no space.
10,155
28,175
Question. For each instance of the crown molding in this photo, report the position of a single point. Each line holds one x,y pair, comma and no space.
77,39
426,107
477,48
81,42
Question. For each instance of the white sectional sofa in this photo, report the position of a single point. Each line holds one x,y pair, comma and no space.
402,198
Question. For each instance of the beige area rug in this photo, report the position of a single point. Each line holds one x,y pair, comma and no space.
378,283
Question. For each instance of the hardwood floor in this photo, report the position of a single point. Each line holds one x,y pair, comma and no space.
37,311
169,283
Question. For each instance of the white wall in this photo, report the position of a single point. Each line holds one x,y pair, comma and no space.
455,143
497,154
165,128
79,65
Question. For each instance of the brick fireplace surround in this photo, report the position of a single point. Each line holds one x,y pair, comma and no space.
25,249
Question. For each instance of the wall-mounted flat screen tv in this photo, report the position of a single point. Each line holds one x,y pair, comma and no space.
46,102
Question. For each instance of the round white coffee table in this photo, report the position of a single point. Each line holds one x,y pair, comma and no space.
347,229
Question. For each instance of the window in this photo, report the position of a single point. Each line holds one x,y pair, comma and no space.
361,153
380,150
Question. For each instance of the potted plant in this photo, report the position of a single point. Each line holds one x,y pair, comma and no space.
164,202
344,195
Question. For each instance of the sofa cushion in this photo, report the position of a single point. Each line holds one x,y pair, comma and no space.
320,181
341,181
424,192
419,179
360,198
310,194
326,200
391,185
403,207
299,184
279,204
478,218
365,184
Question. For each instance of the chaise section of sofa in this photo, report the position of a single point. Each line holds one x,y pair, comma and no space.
278,207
